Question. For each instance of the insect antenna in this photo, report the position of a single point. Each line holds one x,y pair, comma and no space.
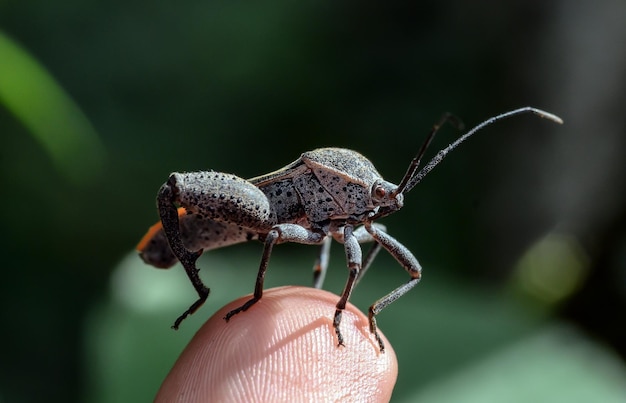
415,162
414,179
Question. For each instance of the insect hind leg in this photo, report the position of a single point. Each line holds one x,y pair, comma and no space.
216,196
170,220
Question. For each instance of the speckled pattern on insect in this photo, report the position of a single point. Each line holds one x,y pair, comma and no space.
328,193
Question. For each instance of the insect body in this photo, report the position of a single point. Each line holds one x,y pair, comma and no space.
328,193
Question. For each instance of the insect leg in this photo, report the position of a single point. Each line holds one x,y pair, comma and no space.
321,264
216,196
363,236
197,232
410,264
278,234
171,227
354,257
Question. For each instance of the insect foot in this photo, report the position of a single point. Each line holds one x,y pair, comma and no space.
326,194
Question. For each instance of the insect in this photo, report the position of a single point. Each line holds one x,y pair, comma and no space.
328,193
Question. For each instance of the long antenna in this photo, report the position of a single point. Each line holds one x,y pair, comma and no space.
415,162
417,178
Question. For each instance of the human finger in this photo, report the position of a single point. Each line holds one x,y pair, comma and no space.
284,348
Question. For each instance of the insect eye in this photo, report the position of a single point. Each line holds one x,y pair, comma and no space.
380,192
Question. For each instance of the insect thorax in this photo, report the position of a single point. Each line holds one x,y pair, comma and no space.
317,196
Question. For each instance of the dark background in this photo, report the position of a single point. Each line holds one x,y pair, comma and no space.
521,232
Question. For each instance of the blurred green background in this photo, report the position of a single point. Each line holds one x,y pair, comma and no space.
521,232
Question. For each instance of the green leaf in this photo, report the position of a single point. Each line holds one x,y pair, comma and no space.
51,116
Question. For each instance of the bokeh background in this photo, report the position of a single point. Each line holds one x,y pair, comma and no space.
521,232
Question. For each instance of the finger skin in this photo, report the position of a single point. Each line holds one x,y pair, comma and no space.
283,349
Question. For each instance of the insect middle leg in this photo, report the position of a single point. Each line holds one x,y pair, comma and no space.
321,264
278,234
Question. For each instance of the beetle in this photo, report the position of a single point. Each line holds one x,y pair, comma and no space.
327,193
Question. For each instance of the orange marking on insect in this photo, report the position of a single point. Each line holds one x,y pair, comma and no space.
143,244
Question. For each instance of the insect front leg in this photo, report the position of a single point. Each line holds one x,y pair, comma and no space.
354,258
278,234
365,237
214,195
362,236
410,264
356,264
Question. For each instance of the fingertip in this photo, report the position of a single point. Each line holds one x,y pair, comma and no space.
283,349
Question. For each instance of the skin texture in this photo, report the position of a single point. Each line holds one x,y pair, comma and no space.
283,349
